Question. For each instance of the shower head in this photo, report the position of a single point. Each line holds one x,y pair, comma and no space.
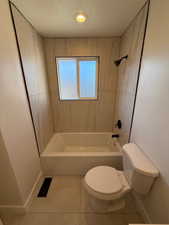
117,62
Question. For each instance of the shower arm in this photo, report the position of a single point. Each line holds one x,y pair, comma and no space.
118,62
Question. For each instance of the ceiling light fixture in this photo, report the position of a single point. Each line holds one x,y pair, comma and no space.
81,18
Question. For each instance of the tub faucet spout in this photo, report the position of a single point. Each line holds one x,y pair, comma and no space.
115,136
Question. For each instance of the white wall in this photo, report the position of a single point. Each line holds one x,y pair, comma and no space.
8,181
15,121
151,120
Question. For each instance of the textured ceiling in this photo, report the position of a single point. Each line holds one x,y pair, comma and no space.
55,18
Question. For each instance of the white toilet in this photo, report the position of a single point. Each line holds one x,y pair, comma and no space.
107,186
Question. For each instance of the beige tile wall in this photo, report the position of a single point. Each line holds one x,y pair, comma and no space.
131,44
84,115
32,53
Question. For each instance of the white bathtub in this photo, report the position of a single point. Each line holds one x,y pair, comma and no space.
76,153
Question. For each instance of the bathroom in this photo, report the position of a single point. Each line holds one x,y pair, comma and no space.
84,112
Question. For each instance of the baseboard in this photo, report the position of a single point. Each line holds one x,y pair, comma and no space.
21,209
141,209
12,209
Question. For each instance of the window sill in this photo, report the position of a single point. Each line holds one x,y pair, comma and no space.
82,99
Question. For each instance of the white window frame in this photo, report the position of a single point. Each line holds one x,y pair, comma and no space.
78,59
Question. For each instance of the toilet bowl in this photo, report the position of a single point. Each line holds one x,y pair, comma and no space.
107,186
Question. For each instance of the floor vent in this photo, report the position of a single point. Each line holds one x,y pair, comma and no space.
45,187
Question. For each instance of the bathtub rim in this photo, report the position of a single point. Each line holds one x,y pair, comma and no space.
80,154
84,154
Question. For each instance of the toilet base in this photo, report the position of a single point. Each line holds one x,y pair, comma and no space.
104,206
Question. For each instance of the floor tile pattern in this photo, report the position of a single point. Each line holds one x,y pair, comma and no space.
67,204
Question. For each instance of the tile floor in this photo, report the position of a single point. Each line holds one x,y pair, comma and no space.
67,204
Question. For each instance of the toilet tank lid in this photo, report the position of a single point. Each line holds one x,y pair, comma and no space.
139,161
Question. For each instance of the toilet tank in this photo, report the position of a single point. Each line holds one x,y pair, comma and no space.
138,169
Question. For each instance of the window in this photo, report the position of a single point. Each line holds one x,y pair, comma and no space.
77,77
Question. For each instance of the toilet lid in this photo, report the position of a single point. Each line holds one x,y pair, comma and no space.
104,179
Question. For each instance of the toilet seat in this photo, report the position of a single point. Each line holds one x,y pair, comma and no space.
104,179
106,183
